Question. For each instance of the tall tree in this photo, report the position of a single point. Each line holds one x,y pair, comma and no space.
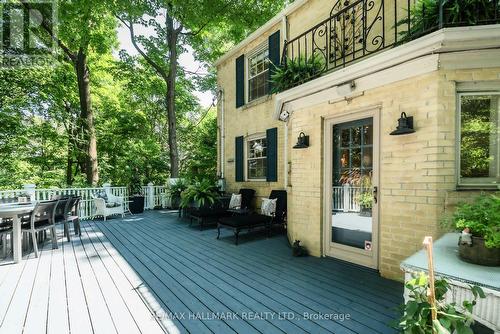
83,26
178,25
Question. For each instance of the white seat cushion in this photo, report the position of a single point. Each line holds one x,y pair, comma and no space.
235,202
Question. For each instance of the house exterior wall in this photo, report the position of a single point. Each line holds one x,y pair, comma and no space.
417,171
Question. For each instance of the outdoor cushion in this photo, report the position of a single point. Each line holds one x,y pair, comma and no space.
268,207
102,194
235,202
112,205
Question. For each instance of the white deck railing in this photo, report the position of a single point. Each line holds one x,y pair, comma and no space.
345,198
154,196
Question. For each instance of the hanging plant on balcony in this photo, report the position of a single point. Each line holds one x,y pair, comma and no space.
296,72
424,16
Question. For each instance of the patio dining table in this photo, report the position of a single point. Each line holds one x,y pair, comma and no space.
13,210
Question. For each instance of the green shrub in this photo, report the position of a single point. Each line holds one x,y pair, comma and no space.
482,217
451,318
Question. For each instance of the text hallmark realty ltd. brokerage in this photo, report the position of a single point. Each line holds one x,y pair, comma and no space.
251,316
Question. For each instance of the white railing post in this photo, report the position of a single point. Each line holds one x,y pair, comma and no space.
30,190
346,196
107,187
151,196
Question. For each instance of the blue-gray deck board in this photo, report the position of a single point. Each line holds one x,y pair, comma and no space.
260,275
155,264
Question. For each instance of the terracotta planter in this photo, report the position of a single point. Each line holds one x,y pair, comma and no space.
477,253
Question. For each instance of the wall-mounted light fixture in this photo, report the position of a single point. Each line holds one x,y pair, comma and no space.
405,125
302,141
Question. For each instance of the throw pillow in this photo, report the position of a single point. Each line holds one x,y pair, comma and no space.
102,194
268,207
235,202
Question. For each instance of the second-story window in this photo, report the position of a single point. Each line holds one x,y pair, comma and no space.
258,73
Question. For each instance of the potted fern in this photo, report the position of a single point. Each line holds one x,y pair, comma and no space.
174,191
202,193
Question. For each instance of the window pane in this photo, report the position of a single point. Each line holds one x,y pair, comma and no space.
479,138
258,86
256,163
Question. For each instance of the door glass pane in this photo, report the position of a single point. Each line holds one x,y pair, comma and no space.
356,158
346,138
367,157
356,136
352,200
368,134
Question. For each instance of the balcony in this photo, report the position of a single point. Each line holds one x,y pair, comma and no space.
358,29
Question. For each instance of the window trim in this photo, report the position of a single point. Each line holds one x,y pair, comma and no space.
458,134
261,48
248,139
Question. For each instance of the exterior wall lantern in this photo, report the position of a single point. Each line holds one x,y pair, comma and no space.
302,141
405,125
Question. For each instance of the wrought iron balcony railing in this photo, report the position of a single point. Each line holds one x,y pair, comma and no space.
357,29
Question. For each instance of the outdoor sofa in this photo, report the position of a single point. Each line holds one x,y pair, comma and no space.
253,220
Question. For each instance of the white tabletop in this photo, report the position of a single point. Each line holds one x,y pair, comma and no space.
12,209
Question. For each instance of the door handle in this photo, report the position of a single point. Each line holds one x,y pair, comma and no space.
375,194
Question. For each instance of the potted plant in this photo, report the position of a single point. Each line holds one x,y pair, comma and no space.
365,200
480,225
295,72
451,318
136,198
175,190
199,194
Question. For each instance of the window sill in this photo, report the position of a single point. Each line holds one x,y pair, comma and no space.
256,102
492,188
256,180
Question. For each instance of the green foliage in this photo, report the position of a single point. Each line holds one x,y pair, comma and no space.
41,140
295,72
425,15
482,217
175,190
200,193
365,199
451,318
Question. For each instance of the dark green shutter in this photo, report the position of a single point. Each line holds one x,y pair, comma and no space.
240,81
272,154
274,55
239,177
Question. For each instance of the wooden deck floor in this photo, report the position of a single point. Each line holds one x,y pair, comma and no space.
152,273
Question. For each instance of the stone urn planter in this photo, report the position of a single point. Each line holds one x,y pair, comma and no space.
478,253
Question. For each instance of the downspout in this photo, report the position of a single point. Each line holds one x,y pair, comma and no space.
284,27
222,133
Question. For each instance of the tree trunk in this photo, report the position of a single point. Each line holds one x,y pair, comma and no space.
172,36
87,117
